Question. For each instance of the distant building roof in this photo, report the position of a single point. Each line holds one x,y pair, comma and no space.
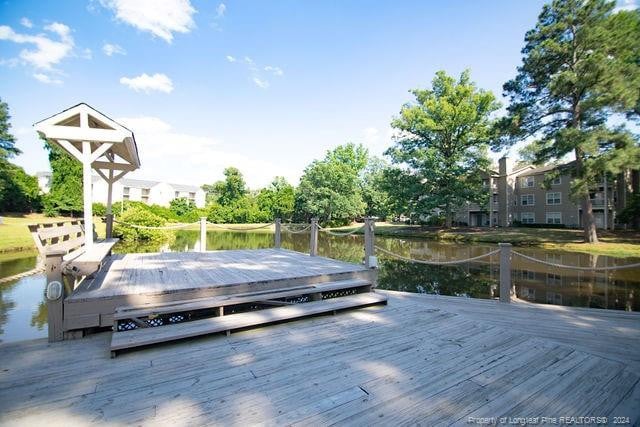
547,168
144,183
43,174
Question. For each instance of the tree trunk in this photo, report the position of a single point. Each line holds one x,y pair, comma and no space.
448,215
588,221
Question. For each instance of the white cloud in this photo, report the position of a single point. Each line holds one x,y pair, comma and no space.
220,10
87,53
203,158
626,5
160,18
26,22
256,73
43,78
46,52
146,83
260,83
113,49
276,71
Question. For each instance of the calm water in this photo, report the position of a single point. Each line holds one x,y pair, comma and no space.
23,311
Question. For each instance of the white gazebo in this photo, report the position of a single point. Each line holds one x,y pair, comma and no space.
99,143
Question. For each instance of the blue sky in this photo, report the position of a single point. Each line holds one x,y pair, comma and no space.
263,86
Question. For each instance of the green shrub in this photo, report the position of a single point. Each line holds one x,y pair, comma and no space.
140,216
99,209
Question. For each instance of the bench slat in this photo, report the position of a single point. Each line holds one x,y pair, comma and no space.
66,245
51,232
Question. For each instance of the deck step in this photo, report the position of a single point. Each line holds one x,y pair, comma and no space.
147,336
127,312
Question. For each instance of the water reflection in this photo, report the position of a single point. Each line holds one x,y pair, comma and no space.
23,312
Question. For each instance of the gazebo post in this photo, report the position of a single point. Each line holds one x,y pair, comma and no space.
109,214
88,199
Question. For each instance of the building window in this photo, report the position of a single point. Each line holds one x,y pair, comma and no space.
495,198
528,275
145,195
192,197
527,218
527,200
125,193
554,279
554,198
527,293
554,217
527,182
176,194
556,181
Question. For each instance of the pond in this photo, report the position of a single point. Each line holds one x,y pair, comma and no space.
23,311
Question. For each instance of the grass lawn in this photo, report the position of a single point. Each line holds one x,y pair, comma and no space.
613,243
15,235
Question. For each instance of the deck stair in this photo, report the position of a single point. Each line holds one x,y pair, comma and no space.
136,326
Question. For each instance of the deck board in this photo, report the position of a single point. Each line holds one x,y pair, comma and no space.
157,273
420,360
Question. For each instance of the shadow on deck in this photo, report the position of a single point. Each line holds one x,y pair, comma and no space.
421,359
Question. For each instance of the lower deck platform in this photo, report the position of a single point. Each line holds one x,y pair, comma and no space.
427,360
156,278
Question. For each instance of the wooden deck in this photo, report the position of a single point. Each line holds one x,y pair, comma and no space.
135,279
420,360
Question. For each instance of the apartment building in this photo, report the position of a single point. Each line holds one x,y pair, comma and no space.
150,192
520,195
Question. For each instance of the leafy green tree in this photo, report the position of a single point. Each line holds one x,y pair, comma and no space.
580,70
7,140
330,188
19,191
231,189
277,199
374,192
182,206
65,195
631,213
442,148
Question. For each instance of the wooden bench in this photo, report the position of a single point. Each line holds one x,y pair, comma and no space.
61,244
136,326
67,239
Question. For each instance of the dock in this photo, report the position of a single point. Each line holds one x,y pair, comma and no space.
421,359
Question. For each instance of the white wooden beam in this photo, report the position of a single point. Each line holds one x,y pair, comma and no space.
120,175
102,175
70,133
71,149
88,199
103,148
113,166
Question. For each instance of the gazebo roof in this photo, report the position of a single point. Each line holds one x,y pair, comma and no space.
69,128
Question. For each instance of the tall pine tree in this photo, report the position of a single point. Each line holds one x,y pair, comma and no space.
578,81
7,140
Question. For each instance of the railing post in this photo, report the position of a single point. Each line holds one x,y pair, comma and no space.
54,294
203,234
370,260
505,272
278,235
109,225
313,244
